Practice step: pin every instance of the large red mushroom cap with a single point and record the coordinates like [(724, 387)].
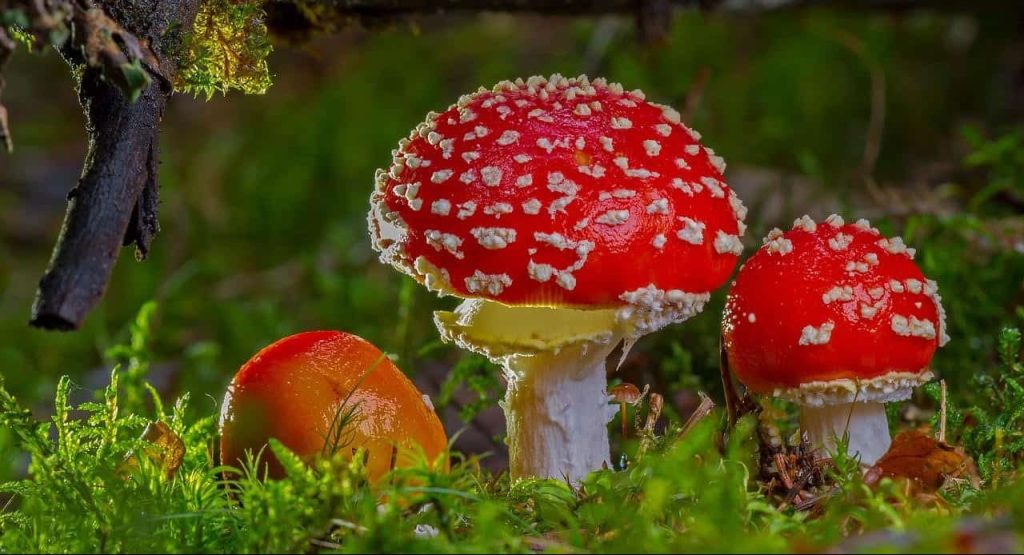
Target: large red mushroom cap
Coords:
[(831, 313), (559, 192)]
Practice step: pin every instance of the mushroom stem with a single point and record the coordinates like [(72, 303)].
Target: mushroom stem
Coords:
[(865, 422), (625, 424), (557, 410), (557, 406)]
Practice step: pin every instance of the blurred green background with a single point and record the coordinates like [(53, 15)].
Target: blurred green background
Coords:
[(909, 119)]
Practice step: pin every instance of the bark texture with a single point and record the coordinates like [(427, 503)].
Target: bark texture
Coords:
[(115, 201)]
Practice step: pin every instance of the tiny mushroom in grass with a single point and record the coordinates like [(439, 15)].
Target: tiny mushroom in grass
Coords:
[(626, 394), (839, 319), (326, 392), (571, 215)]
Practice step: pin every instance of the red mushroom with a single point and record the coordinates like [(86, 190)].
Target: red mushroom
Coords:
[(571, 214), (839, 319)]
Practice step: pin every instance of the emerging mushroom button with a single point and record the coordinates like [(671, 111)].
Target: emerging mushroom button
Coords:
[(570, 214), (838, 319), (326, 392)]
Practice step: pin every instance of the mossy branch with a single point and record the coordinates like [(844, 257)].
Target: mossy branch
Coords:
[(121, 53)]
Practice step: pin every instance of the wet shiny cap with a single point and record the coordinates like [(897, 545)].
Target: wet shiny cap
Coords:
[(832, 312), (563, 192), (324, 392)]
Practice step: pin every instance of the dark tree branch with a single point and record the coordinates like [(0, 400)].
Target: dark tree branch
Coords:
[(654, 20), (143, 225), (296, 20), (598, 7), (122, 137), (115, 201)]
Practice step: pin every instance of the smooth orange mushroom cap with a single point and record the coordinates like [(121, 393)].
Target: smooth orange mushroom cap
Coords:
[(293, 390)]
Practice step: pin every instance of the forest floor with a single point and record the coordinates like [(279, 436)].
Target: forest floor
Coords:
[(264, 235)]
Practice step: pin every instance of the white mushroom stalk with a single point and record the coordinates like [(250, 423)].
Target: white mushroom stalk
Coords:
[(557, 407), (863, 424), (555, 362), (853, 410), (557, 411)]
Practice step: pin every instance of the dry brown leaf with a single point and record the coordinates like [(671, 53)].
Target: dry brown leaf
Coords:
[(165, 449), (924, 461)]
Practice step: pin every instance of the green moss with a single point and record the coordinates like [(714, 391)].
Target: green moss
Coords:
[(226, 50), (95, 486)]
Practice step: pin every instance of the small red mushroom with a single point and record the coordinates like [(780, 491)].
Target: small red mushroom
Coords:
[(571, 214), (324, 391), (838, 319)]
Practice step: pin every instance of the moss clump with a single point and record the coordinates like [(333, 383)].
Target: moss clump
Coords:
[(226, 50)]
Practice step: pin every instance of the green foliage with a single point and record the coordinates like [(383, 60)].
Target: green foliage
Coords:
[(477, 375), (94, 485), (15, 22), (992, 429), (92, 489), (76, 486), (226, 50), (133, 358), (1003, 158)]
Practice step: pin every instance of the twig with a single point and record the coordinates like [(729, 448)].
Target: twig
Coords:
[(795, 489), (144, 225), (118, 166), (701, 412), (811, 503), (6, 50), (323, 541), (735, 405), (783, 468), (115, 201), (696, 93), (942, 412), (876, 119)]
